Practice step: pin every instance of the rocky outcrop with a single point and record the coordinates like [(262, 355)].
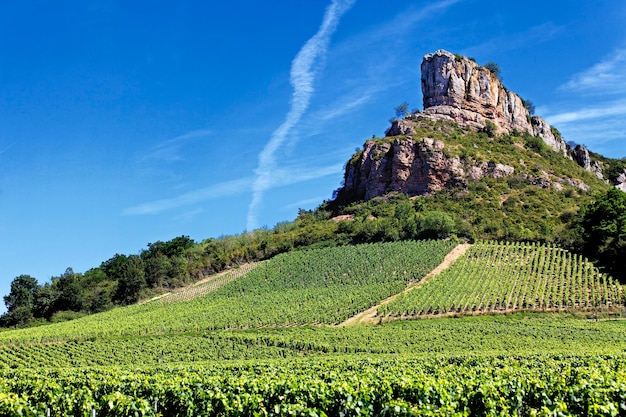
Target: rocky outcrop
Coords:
[(582, 157), (413, 168), (620, 181), (542, 129), (456, 88)]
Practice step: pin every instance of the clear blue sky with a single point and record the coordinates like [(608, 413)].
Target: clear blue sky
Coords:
[(124, 123)]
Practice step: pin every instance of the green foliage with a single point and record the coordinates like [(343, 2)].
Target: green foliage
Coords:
[(498, 277), (20, 301), (530, 106), (546, 385), (326, 285), (490, 128), (130, 281), (604, 230), (494, 68), (536, 144), (22, 293), (436, 225), (402, 110)]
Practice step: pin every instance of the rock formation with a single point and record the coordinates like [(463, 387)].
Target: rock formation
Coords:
[(456, 88), (620, 181), (582, 157), (404, 166)]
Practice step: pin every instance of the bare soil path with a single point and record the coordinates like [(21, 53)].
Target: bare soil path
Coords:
[(369, 316)]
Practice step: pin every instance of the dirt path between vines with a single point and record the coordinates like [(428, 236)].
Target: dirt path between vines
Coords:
[(369, 316)]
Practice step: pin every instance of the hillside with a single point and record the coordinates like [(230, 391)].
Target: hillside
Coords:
[(176, 357), (474, 164), (477, 154)]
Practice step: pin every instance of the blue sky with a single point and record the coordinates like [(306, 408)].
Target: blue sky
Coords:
[(124, 123)]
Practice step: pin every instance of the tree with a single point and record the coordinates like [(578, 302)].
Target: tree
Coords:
[(22, 293), (495, 69), (20, 301), (530, 106), (45, 301), (402, 110), (604, 231), (131, 281), (436, 225)]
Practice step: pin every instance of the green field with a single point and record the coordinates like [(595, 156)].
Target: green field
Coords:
[(263, 340), (497, 277)]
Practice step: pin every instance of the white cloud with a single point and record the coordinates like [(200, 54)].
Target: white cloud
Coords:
[(169, 150), (304, 203), (606, 77), (215, 191), (611, 109), (302, 77), (281, 177)]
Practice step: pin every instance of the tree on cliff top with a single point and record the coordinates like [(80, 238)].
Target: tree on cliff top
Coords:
[(495, 69)]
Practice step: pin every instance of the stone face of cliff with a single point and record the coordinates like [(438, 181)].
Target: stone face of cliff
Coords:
[(413, 167), (404, 166), (456, 88)]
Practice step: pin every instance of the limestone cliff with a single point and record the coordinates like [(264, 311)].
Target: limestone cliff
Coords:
[(455, 89), (413, 167)]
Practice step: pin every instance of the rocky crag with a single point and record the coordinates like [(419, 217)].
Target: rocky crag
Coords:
[(455, 89)]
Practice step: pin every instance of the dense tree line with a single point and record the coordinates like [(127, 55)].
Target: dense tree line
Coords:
[(120, 280)]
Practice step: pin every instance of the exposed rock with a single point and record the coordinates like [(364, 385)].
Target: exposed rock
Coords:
[(413, 168), (456, 88), (542, 129), (582, 157), (342, 218), (575, 182), (620, 181), (400, 127)]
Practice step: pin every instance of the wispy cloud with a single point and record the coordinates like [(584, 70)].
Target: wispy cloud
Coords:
[(283, 176), (302, 76), (606, 77), (604, 110), (304, 203), (6, 148), (220, 190), (169, 150)]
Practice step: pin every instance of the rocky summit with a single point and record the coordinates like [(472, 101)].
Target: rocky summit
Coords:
[(456, 88), (457, 92)]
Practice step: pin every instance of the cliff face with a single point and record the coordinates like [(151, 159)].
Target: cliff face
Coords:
[(404, 166), (456, 88), (412, 167)]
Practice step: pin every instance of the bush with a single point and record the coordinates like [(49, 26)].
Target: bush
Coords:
[(436, 225)]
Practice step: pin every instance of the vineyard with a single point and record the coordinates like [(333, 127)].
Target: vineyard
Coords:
[(501, 277), (262, 340), (209, 285), (542, 385), (297, 288), (489, 335)]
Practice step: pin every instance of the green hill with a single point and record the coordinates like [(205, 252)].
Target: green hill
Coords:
[(496, 277), (181, 354)]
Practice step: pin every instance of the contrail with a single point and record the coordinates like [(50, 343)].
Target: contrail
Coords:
[(301, 77)]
